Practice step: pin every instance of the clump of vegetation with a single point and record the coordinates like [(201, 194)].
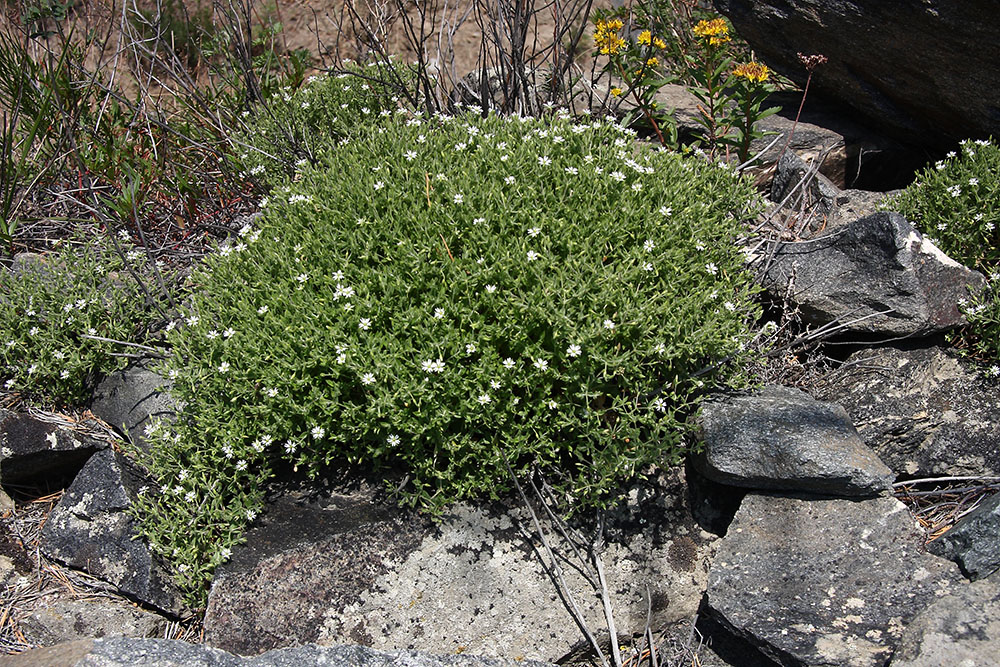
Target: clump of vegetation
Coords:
[(448, 297), (956, 202), (64, 316)]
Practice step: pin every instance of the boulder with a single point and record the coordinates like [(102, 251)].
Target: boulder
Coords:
[(961, 629), (876, 275), (921, 71), (129, 400), (974, 542), (68, 620), (36, 452), (783, 439), (824, 582), (122, 652), (924, 411), (363, 573), (91, 530)]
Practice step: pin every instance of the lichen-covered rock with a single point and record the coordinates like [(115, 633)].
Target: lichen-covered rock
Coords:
[(824, 582), (962, 629), (974, 542), (131, 399), (471, 583), (924, 411), (875, 275), (781, 438), (121, 652), (90, 529), (68, 620), (33, 451)]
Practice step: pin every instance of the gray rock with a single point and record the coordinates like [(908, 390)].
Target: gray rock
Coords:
[(961, 629), (923, 84), (876, 275), (925, 412), (68, 620), (129, 399), (974, 542), (90, 529), (824, 582), (121, 652), (783, 439), (37, 452), (374, 576)]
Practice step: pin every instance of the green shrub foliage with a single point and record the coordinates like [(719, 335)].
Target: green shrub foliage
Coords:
[(956, 202), (60, 317), (446, 296)]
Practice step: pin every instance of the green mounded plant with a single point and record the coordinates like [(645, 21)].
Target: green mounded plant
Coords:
[(445, 297), (956, 202), (63, 319), (295, 126)]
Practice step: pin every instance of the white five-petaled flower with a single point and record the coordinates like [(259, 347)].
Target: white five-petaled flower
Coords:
[(368, 379), (508, 363), (659, 405), (541, 364), (410, 156), (973, 181), (438, 313), (290, 446), (365, 324), (637, 187), (229, 333), (193, 320), (648, 246), (532, 255), (458, 198), (392, 440), (251, 515), (262, 310), (666, 210), (618, 176), (470, 348), (318, 432), (241, 465), (534, 231), (574, 351), (609, 325), (271, 392), (660, 348), (647, 267), (224, 367), (494, 384), (509, 180), (712, 268), (432, 366), (552, 404), (484, 399), (302, 277), (378, 185), (544, 160), (572, 171), (212, 335), (490, 289), (730, 306)]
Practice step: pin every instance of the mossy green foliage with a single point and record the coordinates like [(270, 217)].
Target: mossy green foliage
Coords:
[(61, 315), (444, 297), (956, 202)]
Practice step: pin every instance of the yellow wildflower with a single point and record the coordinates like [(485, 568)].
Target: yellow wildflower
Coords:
[(645, 37), (616, 92), (606, 36), (659, 43), (652, 62), (715, 30), (753, 71)]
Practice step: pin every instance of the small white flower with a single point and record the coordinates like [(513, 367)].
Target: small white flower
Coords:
[(227, 451), (618, 176), (378, 185), (484, 399), (241, 465), (193, 320), (224, 367), (541, 364), (392, 440), (942, 226), (609, 325), (712, 268), (9, 384), (730, 306), (940, 166), (574, 351), (302, 278), (64, 374), (212, 335), (637, 187), (318, 432), (470, 348), (572, 171), (699, 245), (494, 384), (368, 379), (290, 446), (509, 180), (33, 331), (438, 313), (190, 496), (479, 221), (348, 306), (410, 156), (666, 211), (490, 289), (659, 405), (648, 246), (532, 255), (251, 515), (365, 324), (994, 371), (229, 333), (271, 392), (172, 374), (647, 267), (973, 181), (544, 160), (552, 404), (431, 366), (508, 363), (458, 198), (262, 310), (534, 231)]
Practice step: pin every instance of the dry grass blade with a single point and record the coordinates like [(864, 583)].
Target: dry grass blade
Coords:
[(938, 503)]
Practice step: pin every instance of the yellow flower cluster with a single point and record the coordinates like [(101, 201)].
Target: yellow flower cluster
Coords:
[(753, 71), (716, 31), (606, 36), (646, 38)]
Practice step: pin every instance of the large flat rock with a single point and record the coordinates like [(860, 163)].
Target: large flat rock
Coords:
[(824, 582)]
